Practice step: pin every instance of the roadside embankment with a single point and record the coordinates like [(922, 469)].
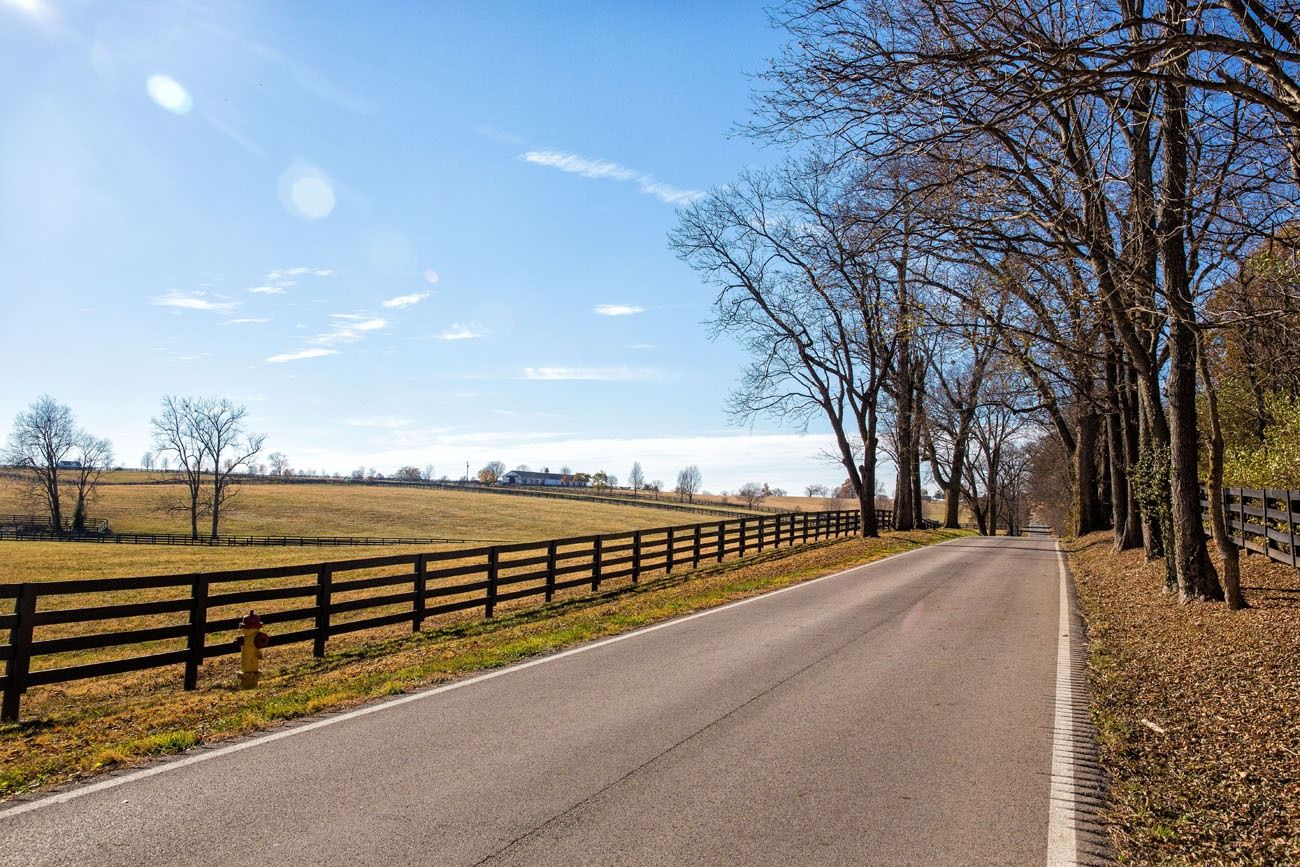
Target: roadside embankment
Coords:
[(1197, 710)]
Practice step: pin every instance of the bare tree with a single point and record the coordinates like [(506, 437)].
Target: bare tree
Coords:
[(147, 460), (279, 463), (689, 480), (636, 478), (176, 434), (408, 474), (222, 430), (93, 456), (427, 473), (752, 493), (43, 437), (815, 490)]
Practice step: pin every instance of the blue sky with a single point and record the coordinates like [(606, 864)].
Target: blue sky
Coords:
[(402, 233)]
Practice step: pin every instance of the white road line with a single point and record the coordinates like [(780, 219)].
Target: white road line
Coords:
[(206, 755), (1062, 842)]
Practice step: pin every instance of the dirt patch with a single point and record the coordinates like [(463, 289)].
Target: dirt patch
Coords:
[(1197, 710)]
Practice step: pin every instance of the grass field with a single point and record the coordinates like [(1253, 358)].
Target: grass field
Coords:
[(337, 510), (78, 728)]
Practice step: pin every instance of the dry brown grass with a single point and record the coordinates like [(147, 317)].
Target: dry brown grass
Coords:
[(80, 728), (363, 510), (1220, 783)]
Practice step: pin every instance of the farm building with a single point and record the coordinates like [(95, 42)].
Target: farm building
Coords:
[(544, 479)]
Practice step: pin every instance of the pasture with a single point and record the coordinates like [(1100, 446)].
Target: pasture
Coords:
[(342, 510)]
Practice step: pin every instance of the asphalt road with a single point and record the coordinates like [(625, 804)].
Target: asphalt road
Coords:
[(898, 713)]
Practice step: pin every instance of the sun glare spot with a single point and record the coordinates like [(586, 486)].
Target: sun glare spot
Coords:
[(307, 193), (169, 93)]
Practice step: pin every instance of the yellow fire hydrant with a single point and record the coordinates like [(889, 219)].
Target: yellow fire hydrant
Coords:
[(251, 640)]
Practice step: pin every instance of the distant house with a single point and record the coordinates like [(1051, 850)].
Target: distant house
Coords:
[(543, 479), (69, 465)]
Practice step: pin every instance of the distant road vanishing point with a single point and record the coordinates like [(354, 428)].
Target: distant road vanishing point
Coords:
[(922, 710)]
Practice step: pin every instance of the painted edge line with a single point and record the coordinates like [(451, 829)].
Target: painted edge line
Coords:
[(217, 752), (1062, 808)]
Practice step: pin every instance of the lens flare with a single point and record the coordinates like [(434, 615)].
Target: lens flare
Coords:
[(169, 94), (307, 193)]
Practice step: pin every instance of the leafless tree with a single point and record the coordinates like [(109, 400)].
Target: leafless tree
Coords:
[(176, 434), (801, 280), (44, 436), (93, 457), (689, 480), (147, 461), (752, 493), (279, 463), (222, 430), (636, 478)]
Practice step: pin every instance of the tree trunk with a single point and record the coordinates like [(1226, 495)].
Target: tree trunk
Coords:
[(1085, 472), (1192, 566), (1214, 491)]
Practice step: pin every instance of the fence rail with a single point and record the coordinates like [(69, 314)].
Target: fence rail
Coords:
[(1262, 520), (50, 620), (20, 534)]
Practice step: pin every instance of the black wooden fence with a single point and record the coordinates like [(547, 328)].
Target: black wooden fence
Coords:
[(20, 534), (322, 602), (1263, 520)]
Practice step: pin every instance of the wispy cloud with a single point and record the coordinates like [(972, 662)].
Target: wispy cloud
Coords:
[(463, 331), (590, 374), (277, 282), (299, 271), (192, 301), (617, 310), (405, 300), (301, 355), (350, 328), (606, 170), (250, 320)]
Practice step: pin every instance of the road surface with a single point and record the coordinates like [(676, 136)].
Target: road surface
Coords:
[(903, 712)]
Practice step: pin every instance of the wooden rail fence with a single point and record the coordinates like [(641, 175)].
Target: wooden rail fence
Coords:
[(48, 641), (1262, 520), (18, 534)]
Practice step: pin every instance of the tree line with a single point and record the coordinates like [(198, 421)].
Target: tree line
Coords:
[(1020, 243), (206, 439)]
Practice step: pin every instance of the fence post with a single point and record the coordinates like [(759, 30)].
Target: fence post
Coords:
[(324, 578), (1241, 519), (762, 532), (636, 556), (722, 539), (493, 559), (20, 651), (804, 515), (550, 570), (417, 618), (596, 547), (198, 631), (695, 553), (1290, 523), (744, 531), (672, 543)]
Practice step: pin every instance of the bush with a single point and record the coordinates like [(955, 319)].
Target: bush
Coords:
[(1276, 463)]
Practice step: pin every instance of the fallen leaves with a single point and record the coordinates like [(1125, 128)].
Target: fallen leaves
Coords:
[(1198, 711)]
